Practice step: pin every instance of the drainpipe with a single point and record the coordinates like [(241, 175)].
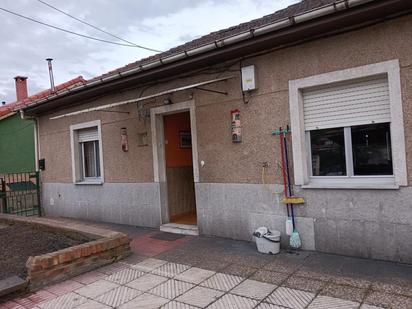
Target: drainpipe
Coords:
[(36, 137)]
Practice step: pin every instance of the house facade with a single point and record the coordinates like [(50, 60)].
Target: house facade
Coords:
[(18, 135), (17, 144), (153, 143)]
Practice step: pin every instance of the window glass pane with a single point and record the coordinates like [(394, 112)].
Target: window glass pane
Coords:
[(371, 147), (90, 159), (96, 143), (328, 152)]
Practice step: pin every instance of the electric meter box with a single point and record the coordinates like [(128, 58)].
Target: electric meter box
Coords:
[(249, 78)]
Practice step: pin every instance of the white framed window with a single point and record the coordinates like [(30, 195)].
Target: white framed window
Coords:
[(86, 148), (347, 128)]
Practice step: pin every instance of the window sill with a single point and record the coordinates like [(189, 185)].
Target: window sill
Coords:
[(88, 182), (352, 186)]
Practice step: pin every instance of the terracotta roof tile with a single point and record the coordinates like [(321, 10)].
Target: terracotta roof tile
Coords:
[(8, 108)]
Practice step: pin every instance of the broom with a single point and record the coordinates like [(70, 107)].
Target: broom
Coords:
[(295, 241)]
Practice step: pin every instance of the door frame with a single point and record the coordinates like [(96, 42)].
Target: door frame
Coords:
[(158, 144)]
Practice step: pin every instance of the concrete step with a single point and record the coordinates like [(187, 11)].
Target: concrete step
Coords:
[(176, 228), (11, 285)]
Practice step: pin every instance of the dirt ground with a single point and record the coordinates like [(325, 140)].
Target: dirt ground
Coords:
[(18, 242)]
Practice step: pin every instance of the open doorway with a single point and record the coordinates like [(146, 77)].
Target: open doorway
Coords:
[(179, 168)]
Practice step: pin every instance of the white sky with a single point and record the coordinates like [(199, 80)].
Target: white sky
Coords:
[(159, 24)]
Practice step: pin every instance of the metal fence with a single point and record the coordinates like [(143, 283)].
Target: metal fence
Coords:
[(20, 193)]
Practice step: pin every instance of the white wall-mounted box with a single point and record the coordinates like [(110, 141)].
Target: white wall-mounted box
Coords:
[(249, 78)]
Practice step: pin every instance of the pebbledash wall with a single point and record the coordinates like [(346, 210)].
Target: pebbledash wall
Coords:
[(231, 196)]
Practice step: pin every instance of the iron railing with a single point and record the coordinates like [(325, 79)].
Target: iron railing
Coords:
[(20, 193)]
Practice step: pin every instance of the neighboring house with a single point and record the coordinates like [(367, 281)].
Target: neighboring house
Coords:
[(151, 142), (17, 135)]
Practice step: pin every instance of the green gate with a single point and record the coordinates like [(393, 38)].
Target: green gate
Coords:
[(20, 193)]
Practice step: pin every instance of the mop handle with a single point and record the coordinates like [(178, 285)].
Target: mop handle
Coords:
[(283, 167), (288, 174)]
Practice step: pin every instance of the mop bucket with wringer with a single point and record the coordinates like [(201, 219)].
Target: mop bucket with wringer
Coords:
[(267, 241)]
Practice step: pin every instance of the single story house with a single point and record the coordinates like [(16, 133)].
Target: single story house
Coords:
[(152, 143)]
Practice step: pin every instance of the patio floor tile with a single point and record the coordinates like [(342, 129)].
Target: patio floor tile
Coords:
[(113, 268), (365, 306), (322, 302), (253, 289), (91, 304), (118, 296), (269, 306), (66, 301), (222, 282), (64, 287), (125, 276), (145, 301), (176, 305), (96, 289), (195, 275), (146, 282), (149, 265), (290, 298), (171, 289), (230, 301), (170, 269), (89, 277), (200, 296), (11, 305)]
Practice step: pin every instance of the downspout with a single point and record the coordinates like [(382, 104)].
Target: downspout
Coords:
[(36, 138)]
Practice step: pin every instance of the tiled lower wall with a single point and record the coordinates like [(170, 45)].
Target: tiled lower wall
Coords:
[(123, 203), (363, 223)]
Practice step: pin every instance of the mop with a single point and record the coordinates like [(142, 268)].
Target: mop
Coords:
[(295, 241), (289, 223)]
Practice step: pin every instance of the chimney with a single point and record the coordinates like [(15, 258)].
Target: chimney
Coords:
[(21, 87)]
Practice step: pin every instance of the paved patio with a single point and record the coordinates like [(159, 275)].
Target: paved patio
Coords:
[(173, 271)]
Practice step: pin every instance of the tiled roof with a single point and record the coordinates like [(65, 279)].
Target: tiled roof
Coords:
[(293, 10), (8, 108)]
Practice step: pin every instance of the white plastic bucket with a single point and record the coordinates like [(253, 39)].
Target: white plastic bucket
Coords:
[(269, 244)]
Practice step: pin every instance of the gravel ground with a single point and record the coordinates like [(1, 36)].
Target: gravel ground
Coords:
[(18, 242)]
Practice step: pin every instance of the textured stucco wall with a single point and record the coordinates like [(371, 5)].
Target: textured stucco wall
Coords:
[(231, 199), (268, 108)]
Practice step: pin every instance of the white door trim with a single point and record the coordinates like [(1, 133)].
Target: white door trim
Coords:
[(158, 142)]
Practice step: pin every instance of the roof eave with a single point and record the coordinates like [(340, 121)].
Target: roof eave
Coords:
[(309, 24)]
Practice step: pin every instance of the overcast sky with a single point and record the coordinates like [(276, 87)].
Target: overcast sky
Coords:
[(159, 24)]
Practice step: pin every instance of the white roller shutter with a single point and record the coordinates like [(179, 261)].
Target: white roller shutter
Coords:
[(89, 134), (348, 104)]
